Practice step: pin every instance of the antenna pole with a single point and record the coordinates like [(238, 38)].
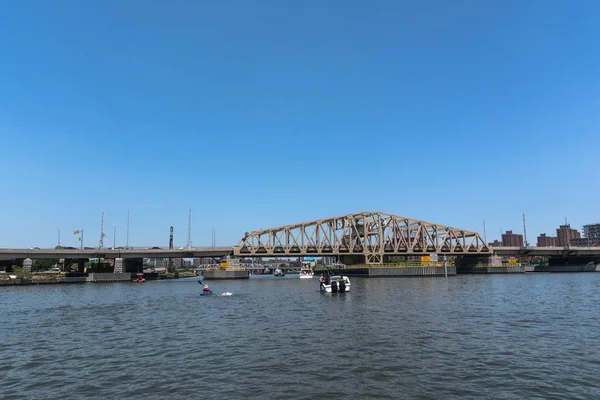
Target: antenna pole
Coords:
[(484, 234)]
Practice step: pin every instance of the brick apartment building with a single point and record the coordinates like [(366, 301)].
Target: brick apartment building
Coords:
[(510, 239)]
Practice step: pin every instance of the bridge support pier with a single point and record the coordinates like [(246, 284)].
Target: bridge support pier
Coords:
[(27, 263), (133, 265), (118, 264), (81, 266)]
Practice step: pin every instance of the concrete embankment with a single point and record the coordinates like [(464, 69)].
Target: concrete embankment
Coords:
[(109, 277), (399, 271), (393, 270), (565, 268), (44, 281)]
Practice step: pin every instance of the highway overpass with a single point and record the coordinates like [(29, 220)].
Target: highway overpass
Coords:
[(567, 251), (194, 252)]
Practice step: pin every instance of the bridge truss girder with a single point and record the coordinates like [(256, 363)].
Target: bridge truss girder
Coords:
[(370, 234)]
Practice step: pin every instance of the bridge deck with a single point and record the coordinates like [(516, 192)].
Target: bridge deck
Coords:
[(196, 252)]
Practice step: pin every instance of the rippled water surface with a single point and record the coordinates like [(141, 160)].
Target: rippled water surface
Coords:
[(466, 337)]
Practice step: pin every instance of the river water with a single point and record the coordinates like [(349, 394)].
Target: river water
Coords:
[(465, 337)]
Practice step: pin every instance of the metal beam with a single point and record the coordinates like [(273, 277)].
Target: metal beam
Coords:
[(373, 235)]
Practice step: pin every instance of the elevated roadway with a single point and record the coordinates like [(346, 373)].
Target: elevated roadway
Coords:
[(568, 251), (200, 252), (194, 252)]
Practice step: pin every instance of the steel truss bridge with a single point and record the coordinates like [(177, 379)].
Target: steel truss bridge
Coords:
[(372, 235)]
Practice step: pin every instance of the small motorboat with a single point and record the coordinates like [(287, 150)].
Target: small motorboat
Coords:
[(335, 284), (140, 278), (306, 270), (278, 272)]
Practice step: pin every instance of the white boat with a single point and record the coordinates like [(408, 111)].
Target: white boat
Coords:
[(335, 284), (306, 270), (278, 272)]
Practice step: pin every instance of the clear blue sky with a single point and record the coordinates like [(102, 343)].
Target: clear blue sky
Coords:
[(263, 113)]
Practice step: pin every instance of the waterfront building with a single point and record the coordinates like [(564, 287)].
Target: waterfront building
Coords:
[(546, 241), (581, 242), (564, 233), (510, 239), (591, 236), (495, 243)]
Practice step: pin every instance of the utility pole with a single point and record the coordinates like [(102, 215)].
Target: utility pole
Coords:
[(80, 238), (58, 244)]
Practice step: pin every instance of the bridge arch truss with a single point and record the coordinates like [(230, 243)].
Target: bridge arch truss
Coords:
[(373, 235)]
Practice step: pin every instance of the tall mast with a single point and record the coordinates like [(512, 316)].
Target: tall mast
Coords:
[(484, 235), (102, 231)]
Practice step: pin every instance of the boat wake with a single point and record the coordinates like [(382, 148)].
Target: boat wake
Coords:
[(215, 294)]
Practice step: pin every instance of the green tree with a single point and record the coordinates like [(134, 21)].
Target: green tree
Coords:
[(43, 264), (22, 273)]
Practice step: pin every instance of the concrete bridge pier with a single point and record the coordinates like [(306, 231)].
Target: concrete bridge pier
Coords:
[(132, 265), (118, 266), (27, 263), (80, 266)]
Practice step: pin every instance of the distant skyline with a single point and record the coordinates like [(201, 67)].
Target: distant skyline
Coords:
[(261, 114)]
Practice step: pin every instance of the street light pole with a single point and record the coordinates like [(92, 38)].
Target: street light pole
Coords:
[(114, 236), (75, 232), (58, 244)]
